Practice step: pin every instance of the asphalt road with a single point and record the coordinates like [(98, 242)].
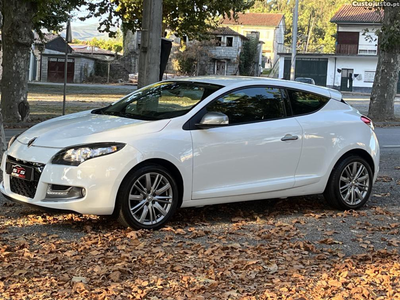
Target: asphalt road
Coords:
[(361, 102)]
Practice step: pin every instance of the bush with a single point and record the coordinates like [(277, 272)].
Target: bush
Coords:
[(248, 57)]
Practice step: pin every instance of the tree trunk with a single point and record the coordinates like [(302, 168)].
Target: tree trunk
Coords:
[(381, 106), (17, 39), (3, 142), (310, 30), (2, 134), (150, 48)]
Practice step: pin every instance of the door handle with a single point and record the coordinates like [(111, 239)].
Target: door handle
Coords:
[(289, 137)]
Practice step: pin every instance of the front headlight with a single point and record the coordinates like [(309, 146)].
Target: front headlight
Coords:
[(75, 155)]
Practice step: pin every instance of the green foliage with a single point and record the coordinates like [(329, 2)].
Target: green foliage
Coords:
[(185, 17), (108, 44), (52, 14), (248, 57), (389, 35), (315, 31), (187, 62), (193, 57), (100, 68)]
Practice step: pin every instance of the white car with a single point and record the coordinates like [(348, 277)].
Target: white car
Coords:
[(195, 142)]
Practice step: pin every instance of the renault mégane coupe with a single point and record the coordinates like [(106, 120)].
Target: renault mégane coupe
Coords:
[(194, 142)]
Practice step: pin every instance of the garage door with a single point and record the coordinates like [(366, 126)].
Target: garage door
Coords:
[(55, 71), (315, 68)]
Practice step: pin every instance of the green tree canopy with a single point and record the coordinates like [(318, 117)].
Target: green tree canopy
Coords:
[(315, 31), (20, 19), (186, 17)]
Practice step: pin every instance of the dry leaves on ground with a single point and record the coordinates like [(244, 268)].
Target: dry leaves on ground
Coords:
[(193, 262)]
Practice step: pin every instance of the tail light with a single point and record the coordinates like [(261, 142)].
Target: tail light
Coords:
[(368, 121)]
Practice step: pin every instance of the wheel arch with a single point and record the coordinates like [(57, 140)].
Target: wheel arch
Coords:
[(358, 152), (166, 164), (331, 193), (354, 152)]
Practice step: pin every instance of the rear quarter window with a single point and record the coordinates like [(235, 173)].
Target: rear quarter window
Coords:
[(306, 102)]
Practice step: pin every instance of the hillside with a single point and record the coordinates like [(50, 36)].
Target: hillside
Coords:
[(86, 32)]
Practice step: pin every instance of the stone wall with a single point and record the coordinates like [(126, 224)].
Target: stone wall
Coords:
[(84, 68)]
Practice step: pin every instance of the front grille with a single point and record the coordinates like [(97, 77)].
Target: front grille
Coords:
[(23, 187)]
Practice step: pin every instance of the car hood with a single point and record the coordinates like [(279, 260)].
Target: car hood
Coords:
[(85, 127)]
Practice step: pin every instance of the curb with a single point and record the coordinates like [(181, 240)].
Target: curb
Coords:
[(387, 124), (19, 125)]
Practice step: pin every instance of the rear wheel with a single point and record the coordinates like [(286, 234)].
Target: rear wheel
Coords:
[(148, 198), (350, 183)]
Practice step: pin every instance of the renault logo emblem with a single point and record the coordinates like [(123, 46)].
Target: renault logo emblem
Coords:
[(31, 141)]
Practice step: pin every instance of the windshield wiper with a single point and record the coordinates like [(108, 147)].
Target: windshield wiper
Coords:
[(101, 110), (138, 117)]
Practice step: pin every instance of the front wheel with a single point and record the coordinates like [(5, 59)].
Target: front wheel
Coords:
[(147, 198), (350, 183)]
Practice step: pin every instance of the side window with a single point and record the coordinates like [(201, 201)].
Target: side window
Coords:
[(305, 102), (250, 105)]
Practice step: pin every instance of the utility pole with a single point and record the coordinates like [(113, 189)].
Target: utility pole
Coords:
[(294, 41), (150, 47), (68, 39)]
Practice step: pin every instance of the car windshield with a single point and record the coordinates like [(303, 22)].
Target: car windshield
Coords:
[(163, 100)]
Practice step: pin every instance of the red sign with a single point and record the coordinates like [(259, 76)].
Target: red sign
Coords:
[(18, 171)]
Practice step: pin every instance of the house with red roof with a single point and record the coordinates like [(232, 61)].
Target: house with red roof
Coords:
[(271, 29), (356, 47)]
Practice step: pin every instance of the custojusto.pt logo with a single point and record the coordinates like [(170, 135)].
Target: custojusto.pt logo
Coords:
[(375, 3)]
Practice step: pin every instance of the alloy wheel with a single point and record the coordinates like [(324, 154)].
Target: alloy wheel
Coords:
[(354, 183), (150, 198)]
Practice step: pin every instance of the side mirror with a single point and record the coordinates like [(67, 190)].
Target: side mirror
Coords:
[(213, 119)]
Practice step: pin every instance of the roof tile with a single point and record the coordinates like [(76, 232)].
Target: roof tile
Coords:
[(227, 31), (255, 19), (357, 14)]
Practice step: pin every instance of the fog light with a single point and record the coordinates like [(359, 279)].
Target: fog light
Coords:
[(64, 192)]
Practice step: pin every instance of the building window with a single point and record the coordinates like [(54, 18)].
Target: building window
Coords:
[(229, 41), (369, 76), (184, 40), (367, 51), (218, 41)]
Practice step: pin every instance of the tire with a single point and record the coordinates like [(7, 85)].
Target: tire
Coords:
[(147, 198), (350, 183)]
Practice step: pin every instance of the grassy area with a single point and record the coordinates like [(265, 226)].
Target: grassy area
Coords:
[(107, 93), (46, 100)]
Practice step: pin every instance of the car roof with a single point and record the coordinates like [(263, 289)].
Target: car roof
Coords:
[(227, 81)]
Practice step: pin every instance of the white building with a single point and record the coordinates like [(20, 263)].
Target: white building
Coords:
[(353, 66)]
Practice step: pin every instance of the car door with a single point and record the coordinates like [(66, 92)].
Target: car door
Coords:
[(257, 152)]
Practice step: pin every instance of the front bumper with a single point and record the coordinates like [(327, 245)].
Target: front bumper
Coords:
[(100, 178)]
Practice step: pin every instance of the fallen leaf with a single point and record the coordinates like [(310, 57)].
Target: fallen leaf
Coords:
[(79, 279), (382, 195), (329, 241), (271, 268), (115, 276), (384, 178)]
